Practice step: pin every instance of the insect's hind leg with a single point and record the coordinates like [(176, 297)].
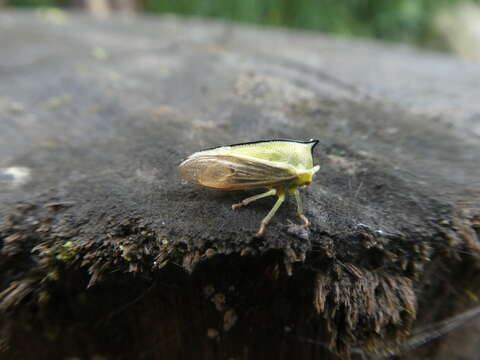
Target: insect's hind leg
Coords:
[(266, 219), (250, 199), (298, 200)]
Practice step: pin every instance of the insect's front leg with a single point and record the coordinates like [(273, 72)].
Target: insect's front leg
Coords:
[(298, 200), (250, 199), (266, 219)]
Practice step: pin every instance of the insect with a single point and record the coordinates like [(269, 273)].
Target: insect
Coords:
[(280, 166)]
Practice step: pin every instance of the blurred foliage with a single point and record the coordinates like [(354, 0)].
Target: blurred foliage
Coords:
[(398, 20), (33, 2)]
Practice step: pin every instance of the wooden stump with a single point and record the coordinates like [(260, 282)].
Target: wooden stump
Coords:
[(106, 254)]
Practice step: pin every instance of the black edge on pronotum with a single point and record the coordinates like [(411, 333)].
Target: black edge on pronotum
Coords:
[(265, 141)]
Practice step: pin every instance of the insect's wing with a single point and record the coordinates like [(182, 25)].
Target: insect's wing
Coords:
[(228, 172)]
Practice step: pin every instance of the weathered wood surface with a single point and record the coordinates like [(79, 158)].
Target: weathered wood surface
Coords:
[(104, 252)]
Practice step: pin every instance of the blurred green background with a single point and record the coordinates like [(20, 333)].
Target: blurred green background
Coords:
[(396, 20)]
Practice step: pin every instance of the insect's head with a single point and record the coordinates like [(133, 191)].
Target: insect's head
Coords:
[(306, 177)]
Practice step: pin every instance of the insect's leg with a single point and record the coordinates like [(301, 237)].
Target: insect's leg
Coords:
[(253, 198), (266, 219), (299, 202)]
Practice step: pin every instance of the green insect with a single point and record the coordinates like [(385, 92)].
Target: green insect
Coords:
[(280, 166)]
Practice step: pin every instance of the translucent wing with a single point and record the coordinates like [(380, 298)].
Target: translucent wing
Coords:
[(227, 172)]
